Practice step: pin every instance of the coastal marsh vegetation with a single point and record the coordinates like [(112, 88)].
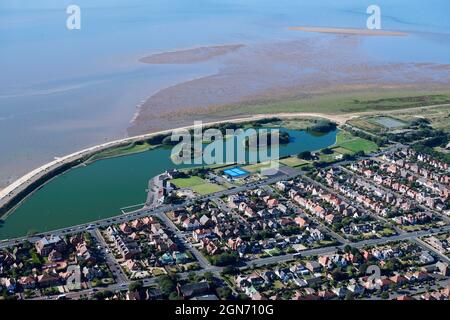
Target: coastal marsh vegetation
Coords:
[(340, 103)]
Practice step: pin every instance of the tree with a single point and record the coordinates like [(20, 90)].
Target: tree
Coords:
[(224, 293), (229, 270), (305, 155), (174, 296), (208, 276), (225, 259), (166, 284), (384, 295), (323, 126), (327, 151), (192, 277), (135, 286)]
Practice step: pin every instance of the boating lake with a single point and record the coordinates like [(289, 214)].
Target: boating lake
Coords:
[(100, 189)]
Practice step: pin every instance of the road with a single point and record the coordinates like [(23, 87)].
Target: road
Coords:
[(115, 268)]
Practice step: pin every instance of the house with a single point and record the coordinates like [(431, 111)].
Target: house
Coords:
[(356, 288), (340, 292), (8, 283), (426, 257), (206, 221), (27, 282), (154, 294), (48, 280), (443, 268), (301, 222), (191, 224), (313, 266), (190, 290), (46, 244), (54, 256), (398, 280)]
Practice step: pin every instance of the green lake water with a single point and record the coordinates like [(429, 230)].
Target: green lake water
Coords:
[(99, 190)]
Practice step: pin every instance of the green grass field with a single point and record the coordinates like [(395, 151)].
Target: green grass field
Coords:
[(345, 140), (359, 144), (187, 182), (207, 188), (197, 184), (293, 162)]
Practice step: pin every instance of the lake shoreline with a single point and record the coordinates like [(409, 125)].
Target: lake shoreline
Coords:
[(22, 188), (15, 193)]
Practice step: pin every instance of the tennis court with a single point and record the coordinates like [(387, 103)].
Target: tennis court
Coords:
[(235, 172)]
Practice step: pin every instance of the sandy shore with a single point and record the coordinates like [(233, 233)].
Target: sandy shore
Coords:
[(362, 32), (192, 55)]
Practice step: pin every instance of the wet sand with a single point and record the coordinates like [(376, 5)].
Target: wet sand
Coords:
[(298, 70), (193, 55), (362, 32)]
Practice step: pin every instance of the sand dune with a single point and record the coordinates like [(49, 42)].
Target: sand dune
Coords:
[(363, 32)]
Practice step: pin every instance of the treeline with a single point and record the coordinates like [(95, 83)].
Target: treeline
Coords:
[(323, 126), (426, 147), (165, 139), (418, 133), (284, 138)]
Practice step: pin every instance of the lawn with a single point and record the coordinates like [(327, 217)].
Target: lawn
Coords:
[(293, 161), (197, 184), (345, 140), (359, 144), (187, 182), (207, 188)]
